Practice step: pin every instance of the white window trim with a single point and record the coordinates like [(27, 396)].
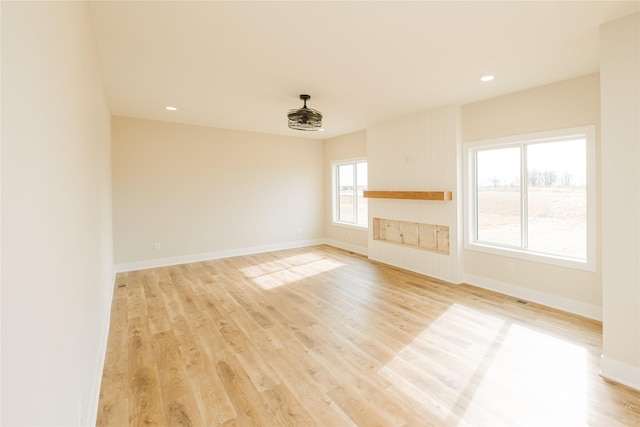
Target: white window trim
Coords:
[(334, 184), (469, 150)]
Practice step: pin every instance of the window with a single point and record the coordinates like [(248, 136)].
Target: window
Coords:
[(349, 183), (533, 197)]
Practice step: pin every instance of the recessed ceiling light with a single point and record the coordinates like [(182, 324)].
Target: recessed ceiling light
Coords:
[(486, 78), (171, 108)]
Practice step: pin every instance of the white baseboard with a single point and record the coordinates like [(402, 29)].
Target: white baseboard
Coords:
[(620, 372), (94, 401), (346, 246), (565, 304), (206, 256)]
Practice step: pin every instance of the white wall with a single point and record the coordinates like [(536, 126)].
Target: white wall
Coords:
[(419, 152), (620, 92), (57, 265), (565, 104), (351, 146), (204, 193)]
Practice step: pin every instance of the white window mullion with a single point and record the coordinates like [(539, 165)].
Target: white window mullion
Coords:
[(524, 189), (474, 179), (336, 197), (355, 193)]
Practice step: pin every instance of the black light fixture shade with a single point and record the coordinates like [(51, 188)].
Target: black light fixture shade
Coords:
[(305, 118)]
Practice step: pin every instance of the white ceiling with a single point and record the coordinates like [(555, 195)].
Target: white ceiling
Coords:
[(242, 65)]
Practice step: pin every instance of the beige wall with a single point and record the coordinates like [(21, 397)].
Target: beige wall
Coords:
[(57, 265), (203, 192), (418, 152), (569, 103), (565, 104), (620, 89), (351, 146)]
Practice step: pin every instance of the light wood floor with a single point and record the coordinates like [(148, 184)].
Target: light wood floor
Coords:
[(318, 336)]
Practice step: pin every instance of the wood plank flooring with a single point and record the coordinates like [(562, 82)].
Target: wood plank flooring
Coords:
[(320, 337)]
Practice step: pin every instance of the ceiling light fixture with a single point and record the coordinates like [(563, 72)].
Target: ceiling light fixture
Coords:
[(486, 78), (170, 108), (305, 118)]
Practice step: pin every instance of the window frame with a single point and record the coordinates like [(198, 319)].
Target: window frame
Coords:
[(335, 192), (470, 149)]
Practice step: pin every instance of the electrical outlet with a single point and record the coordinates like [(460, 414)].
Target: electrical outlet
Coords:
[(511, 266), (156, 246)]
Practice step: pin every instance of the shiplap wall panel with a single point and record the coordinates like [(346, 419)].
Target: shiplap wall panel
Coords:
[(418, 152)]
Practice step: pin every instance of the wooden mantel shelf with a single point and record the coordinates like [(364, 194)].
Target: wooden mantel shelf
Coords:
[(411, 195)]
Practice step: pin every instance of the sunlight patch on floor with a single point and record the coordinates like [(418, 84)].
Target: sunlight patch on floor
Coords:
[(283, 271), (543, 380), (495, 372)]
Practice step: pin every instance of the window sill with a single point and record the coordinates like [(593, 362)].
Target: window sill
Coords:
[(556, 260)]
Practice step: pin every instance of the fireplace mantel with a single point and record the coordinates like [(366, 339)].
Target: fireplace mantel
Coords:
[(410, 195)]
